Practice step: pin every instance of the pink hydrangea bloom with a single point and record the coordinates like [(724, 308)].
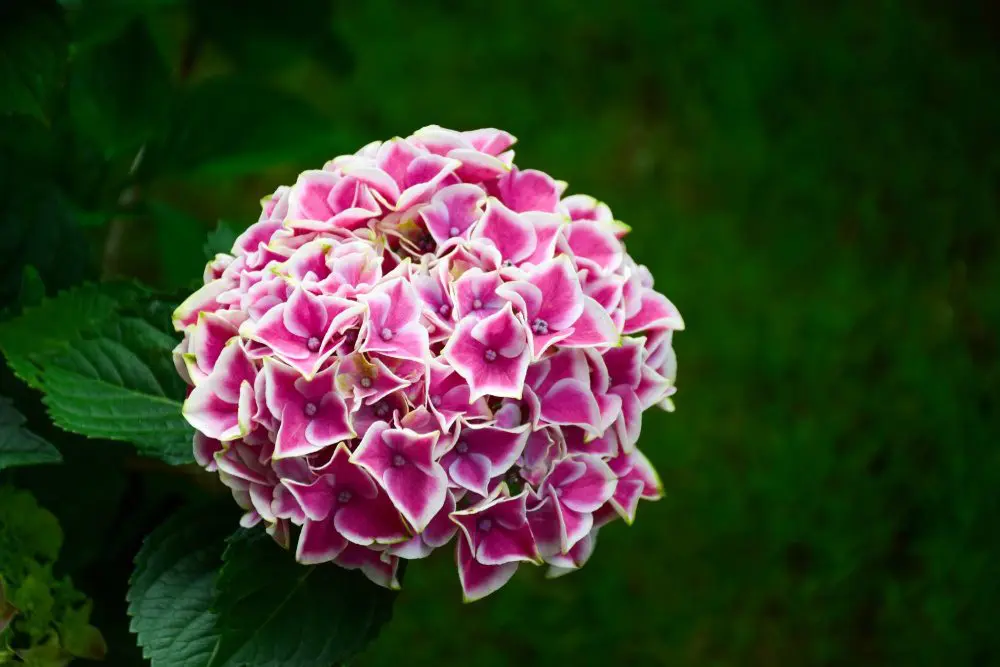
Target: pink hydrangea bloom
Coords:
[(421, 344)]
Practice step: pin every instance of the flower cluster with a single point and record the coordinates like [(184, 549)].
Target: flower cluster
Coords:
[(421, 342)]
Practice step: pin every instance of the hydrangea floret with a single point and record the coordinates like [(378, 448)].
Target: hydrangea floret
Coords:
[(421, 344)]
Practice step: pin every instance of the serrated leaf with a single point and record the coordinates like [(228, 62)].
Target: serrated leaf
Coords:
[(18, 445), (101, 388), (105, 373), (52, 326), (173, 585), (32, 55), (273, 611)]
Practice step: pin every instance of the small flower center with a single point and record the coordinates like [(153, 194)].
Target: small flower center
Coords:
[(453, 231), (444, 309), (366, 382), (310, 409), (344, 497), (382, 410), (508, 263), (436, 401), (386, 333), (398, 460), (540, 326), (485, 525), (490, 355), (462, 447), (312, 344), (477, 304)]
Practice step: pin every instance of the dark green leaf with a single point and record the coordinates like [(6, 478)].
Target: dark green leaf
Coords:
[(119, 91), (32, 55), (32, 288), (220, 240), (39, 229), (273, 611), (173, 585), (105, 373), (18, 445), (50, 328), (228, 126)]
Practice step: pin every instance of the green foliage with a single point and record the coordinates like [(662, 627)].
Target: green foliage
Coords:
[(263, 608), (104, 371), (173, 586), (18, 445), (309, 616), (49, 618)]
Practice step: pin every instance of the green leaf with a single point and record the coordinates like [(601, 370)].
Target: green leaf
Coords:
[(217, 130), (220, 240), (18, 445), (32, 56), (273, 611), (51, 327), (32, 289), (102, 388), (173, 585), (119, 90), (105, 369)]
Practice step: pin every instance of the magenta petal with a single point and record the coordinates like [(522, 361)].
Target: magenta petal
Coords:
[(595, 246), (594, 328), (592, 489), (626, 498), (316, 499), (656, 312), (570, 402), (471, 472), (417, 495), (366, 522), (561, 294), (453, 210), (402, 462), (529, 190), (514, 238), (624, 363), (480, 580), (491, 355), (574, 526), (319, 542), (379, 570)]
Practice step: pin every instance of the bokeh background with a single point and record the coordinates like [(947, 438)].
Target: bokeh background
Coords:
[(815, 185)]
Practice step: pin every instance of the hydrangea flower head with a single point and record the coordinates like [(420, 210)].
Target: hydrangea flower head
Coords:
[(422, 344)]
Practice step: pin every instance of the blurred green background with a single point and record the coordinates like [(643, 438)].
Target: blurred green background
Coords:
[(815, 185)]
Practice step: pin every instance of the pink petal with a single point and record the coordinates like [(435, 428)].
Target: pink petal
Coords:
[(319, 542), (491, 355), (656, 312), (570, 402), (514, 238), (592, 245), (562, 296), (480, 580), (529, 190)]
